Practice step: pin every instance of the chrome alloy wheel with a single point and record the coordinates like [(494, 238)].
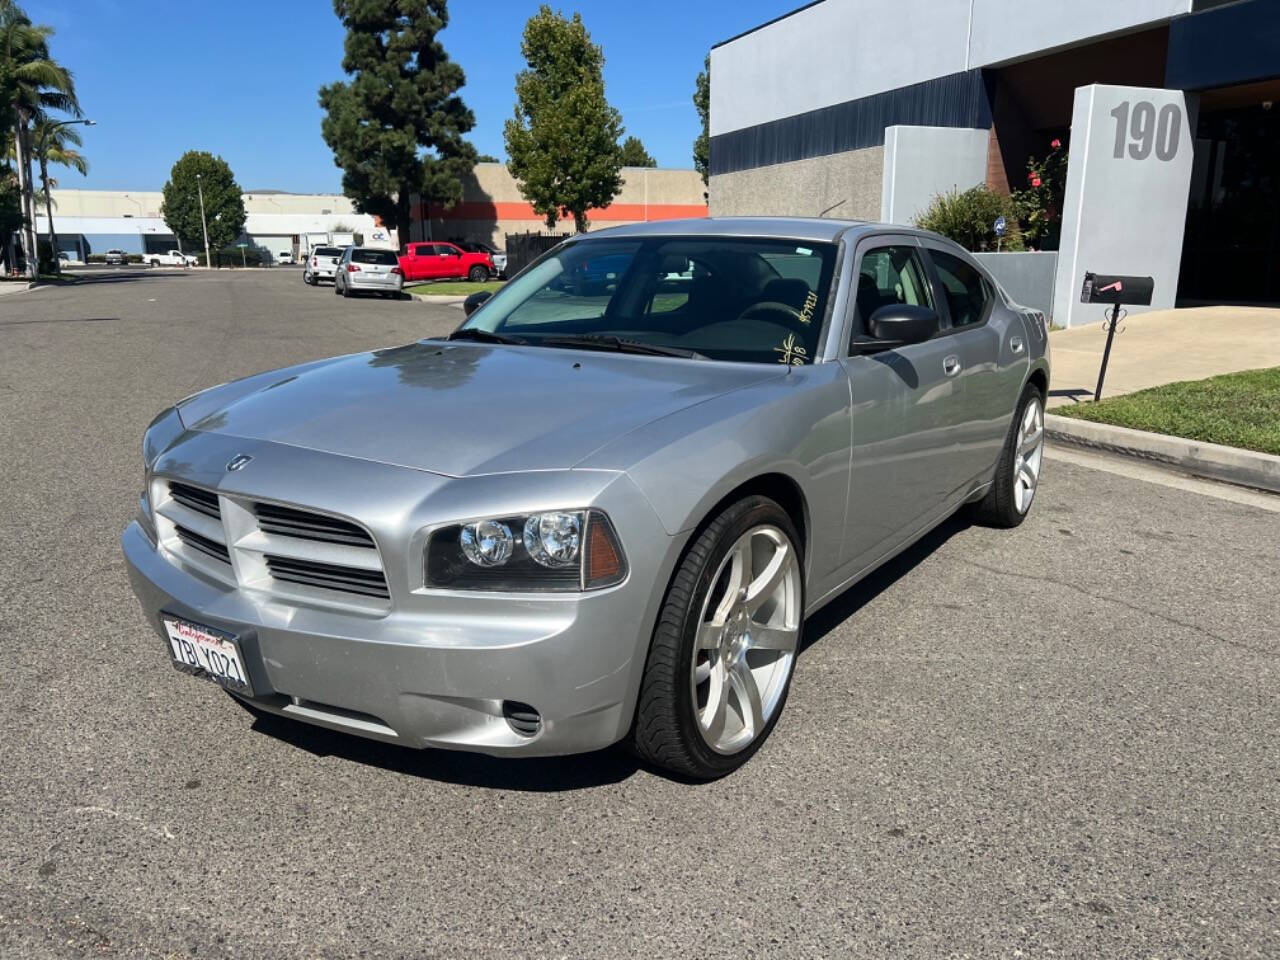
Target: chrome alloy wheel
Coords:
[(1028, 454), (746, 643)]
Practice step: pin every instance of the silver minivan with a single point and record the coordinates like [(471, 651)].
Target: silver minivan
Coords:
[(368, 270)]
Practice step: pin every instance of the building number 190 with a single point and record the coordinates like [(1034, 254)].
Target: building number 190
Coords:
[(1144, 130)]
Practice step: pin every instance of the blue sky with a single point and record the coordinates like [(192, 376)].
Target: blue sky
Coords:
[(239, 78)]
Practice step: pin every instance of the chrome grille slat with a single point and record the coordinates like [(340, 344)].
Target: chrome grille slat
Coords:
[(210, 548), (289, 522), (327, 576), (193, 498)]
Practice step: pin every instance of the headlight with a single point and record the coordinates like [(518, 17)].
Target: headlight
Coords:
[(488, 543), (561, 550)]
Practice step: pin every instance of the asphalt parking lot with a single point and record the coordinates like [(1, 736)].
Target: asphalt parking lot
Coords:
[(1057, 741)]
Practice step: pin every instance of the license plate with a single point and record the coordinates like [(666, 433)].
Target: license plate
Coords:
[(207, 653)]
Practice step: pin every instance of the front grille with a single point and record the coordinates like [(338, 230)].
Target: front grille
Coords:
[(193, 498), (210, 548), (287, 522), (328, 576)]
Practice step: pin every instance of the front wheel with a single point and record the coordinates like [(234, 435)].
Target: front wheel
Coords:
[(1008, 501), (724, 647), (478, 274)]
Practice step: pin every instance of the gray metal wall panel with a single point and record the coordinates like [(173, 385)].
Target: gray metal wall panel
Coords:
[(956, 100)]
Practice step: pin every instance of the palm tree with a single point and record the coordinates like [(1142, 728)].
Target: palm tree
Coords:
[(31, 83), (56, 143)]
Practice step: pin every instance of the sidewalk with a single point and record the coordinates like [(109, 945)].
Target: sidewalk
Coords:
[(1163, 346)]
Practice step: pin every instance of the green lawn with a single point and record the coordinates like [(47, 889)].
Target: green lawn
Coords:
[(454, 288), (1236, 409)]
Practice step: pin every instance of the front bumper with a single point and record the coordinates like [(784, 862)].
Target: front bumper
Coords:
[(436, 669)]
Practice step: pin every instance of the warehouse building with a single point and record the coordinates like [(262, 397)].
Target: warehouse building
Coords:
[(492, 206), (94, 221), (1167, 108)]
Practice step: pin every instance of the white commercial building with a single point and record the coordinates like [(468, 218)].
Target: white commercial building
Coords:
[(855, 109), (93, 221)]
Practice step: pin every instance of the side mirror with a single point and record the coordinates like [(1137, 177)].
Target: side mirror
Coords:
[(473, 302), (900, 324)]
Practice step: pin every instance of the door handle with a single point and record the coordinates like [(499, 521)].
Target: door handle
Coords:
[(951, 365), (1015, 344)]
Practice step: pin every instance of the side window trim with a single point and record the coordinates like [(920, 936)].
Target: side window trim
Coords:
[(853, 325), (940, 291)]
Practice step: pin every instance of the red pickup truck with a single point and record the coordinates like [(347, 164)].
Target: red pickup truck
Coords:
[(441, 261)]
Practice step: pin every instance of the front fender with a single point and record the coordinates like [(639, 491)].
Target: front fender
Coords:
[(797, 426)]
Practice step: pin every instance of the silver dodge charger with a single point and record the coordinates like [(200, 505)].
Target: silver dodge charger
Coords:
[(602, 508)]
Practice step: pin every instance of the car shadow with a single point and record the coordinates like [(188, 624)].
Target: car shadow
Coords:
[(522, 774), (878, 581), (582, 771)]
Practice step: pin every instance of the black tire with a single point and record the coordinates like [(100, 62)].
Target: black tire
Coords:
[(478, 274), (337, 290), (665, 729), (999, 507)]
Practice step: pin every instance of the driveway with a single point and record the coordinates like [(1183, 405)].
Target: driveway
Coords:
[(1056, 741), (1163, 346)]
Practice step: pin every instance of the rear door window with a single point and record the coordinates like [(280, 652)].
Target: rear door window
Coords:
[(967, 295)]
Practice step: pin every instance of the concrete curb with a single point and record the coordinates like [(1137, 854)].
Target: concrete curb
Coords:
[(1245, 468), (442, 300)]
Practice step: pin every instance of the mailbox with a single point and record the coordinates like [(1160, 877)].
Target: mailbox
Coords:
[(1104, 288)]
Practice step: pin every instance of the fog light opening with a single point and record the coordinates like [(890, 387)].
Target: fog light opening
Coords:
[(522, 718)]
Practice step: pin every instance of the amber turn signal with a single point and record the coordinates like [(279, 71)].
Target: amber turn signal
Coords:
[(604, 563)]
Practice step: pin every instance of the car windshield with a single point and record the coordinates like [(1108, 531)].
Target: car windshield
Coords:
[(385, 257), (727, 298), (327, 252)]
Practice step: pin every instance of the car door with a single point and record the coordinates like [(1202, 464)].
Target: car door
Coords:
[(992, 357), (906, 403), (450, 260)]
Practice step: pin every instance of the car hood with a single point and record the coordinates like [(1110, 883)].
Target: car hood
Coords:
[(462, 409)]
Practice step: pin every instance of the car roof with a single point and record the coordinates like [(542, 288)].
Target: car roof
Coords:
[(817, 229), (814, 229)]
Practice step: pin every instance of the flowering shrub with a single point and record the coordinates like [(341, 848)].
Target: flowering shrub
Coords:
[(1039, 204), (969, 218)]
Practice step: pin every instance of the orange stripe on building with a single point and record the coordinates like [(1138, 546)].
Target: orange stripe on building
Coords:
[(502, 210)]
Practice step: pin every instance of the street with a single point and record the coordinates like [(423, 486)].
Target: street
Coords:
[(1054, 741)]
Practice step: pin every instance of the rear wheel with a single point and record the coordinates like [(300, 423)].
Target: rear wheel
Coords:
[(1008, 501), (478, 274), (724, 647)]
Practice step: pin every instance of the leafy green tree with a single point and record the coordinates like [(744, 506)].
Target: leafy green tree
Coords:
[(31, 84), (223, 203), (397, 127), (635, 155), (702, 103), (487, 158), (563, 140), (56, 144)]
